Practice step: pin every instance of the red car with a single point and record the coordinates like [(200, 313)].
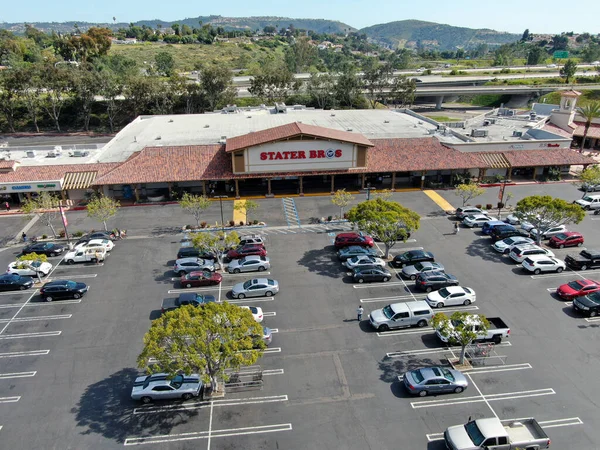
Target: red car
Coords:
[(577, 288), (566, 239), (202, 278), (245, 250), (347, 239)]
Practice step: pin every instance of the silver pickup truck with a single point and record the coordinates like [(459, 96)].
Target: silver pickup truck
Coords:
[(493, 433), (496, 331)]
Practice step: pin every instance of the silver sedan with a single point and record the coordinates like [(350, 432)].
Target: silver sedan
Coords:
[(422, 267), (257, 287), (364, 261), (435, 380), (187, 265), (250, 263)]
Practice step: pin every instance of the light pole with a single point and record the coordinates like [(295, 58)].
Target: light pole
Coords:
[(369, 189), (501, 197), (221, 197)]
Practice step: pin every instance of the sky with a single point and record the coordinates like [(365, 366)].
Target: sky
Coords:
[(539, 16)]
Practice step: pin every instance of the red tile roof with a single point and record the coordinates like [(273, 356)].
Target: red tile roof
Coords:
[(52, 172), (557, 130), (538, 158), (291, 130), (170, 164), (8, 164), (593, 132)]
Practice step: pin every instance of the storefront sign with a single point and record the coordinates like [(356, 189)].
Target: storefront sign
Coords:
[(21, 188), (549, 145), (302, 154), (35, 186), (46, 186)]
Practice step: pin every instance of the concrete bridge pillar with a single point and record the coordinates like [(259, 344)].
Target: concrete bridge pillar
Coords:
[(438, 102), (518, 100)]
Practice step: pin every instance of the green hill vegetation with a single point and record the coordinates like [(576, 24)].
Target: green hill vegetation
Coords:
[(429, 35)]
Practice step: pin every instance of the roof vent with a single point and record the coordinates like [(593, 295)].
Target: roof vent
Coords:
[(517, 133), (386, 121), (158, 138), (332, 114), (420, 123), (170, 120), (207, 126), (348, 129), (249, 117)]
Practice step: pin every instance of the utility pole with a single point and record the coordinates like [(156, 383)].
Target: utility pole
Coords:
[(221, 197)]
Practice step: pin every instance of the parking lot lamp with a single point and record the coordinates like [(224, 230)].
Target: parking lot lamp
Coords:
[(221, 197)]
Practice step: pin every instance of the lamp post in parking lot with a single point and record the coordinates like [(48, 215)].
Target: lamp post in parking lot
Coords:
[(369, 189), (221, 197)]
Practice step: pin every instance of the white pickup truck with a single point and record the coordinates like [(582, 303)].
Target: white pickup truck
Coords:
[(94, 254), (497, 330), (493, 433)]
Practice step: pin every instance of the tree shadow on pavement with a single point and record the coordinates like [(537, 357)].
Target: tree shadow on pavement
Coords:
[(323, 262), (482, 248), (164, 230), (392, 368), (105, 408)]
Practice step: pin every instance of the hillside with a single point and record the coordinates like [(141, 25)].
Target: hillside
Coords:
[(229, 23), (429, 35)]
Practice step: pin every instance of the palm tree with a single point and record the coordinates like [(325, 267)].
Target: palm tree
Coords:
[(589, 112)]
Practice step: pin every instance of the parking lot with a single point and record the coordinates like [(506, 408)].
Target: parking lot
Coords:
[(329, 381)]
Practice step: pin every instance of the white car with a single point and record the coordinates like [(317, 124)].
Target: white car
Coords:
[(475, 220), (595, 63), (29, 268), (256, 311), (465, 211), (451, 296), (541, 263), (512, 219), (106, 243), (519, 252), (506, 245), (364, 261), (552, 231), (551, 66)]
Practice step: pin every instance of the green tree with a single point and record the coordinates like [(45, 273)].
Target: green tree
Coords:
[(216, 85), (320, 87), (348, 87), (247, 207), (273, 82), (458, 329), (46, 206), (384, 194), (389, 222), (9, 97), (216, 243), (589, 112), (58, 84), (194, 205), (467, 192), (207, 340), (111, 88), (341, 199), (165, 63), (588, 178), (544, 212), (26, 262), (86, 85), (102, 209), (535, 55), (300, 55), (568, 70), (525, 36), (402, 90)]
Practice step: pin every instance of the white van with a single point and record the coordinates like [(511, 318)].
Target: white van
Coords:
[(86, 254), (589, 202)]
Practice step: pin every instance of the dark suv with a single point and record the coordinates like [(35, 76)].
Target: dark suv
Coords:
[(505, 231), (432, 281), (412, 257), (44, 248), (193, 252), (348, 239), (61, 289), (588, 305)]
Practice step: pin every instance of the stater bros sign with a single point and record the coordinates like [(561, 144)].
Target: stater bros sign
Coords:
[(309, 155)]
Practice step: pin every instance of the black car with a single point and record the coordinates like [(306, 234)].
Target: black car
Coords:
[(192, 252), (96, 235), (588, 304), (412, 257), (188, 298), (14, 282), (61, 289), (432, 281), (505, 231), (44, 248), (375, 273)]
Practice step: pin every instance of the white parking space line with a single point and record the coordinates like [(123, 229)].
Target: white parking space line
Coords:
[(8, 376), (377, 285), (19, 292), (592, 319), (552, 290), (21, 354), (253, 300), (20, 309), (10, 399), (500, 368), (33, 319), (402, 332), (393, 299), (207, 403), (59, 302), (205, 434), (30, 335), (434, 350), (12, 305), (79, 277), (205, 289), (81, 266), (274, 330), (481, 398), (272, 372), (269, 314), (243, 274), (271, 350), (568, 273)]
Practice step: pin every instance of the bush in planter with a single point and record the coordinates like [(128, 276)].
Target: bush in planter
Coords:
[(329, 218), (489, 206), (62, 233), (78, 233), (231, 223), (241, 223), (255, 222), (44, 236), (203, 224), (478, 206), (500, 205)]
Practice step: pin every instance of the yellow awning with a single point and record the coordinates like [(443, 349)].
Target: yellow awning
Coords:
[(79, 180), (495, 160)]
